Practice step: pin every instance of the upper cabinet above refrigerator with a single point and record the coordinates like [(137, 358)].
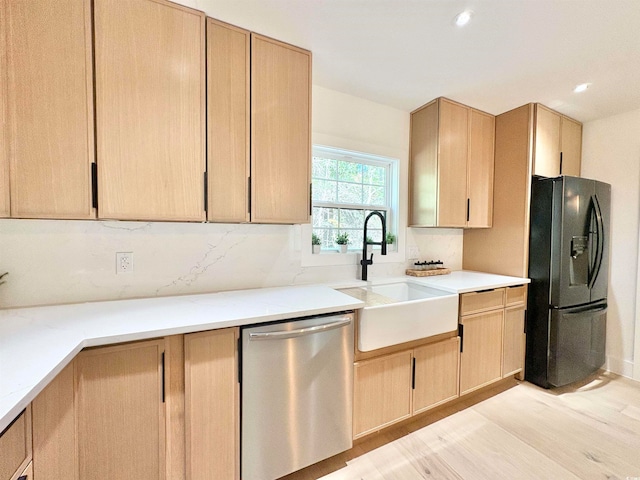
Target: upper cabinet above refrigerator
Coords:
[(558, 144)]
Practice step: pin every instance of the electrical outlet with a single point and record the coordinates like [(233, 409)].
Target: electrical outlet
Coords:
[(124, 262), (414, 251)]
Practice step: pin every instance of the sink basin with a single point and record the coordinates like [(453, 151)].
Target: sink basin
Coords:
[(402, 311)]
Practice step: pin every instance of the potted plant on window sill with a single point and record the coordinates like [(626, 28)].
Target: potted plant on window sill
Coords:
[(316, 243), (391, 240), (342, 240)]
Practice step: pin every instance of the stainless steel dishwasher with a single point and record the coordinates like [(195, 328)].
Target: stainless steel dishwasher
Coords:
[(297, 394)]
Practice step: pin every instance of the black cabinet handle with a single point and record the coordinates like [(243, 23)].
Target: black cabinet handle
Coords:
[(461, 335), (413, 374)]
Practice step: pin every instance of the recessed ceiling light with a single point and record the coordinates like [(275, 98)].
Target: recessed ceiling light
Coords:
[(581, 88), (463, 18)]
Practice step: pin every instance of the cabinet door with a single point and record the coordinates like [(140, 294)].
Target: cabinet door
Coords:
[(423, 166), (27, 474), (5, 210), (571, 147), (54, 429), (547, 143), (150, 110), (382, 392), (452, 164), (435, 374), (481, 357), (480, 171), (514, 341), (50, 108), (280, 132), (211, 405), (15, 446), (120, 412), (228, 150)]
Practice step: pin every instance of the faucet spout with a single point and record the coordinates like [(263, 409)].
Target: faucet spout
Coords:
[(365, 262)]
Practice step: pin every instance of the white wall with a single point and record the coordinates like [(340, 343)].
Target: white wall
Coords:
[(58, 261), (611, 153)]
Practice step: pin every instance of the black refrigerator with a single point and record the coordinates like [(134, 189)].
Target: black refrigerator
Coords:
[(568, 267)]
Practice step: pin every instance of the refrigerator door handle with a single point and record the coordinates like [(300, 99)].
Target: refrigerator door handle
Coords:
[(580, 312), (597, 264)]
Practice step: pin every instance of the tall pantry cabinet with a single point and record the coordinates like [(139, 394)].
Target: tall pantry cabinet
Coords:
[(529, 141), (47, 105)]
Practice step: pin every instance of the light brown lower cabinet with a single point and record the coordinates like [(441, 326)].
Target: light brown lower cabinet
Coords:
[(394, 387), (514, 341), (492, 336), (436, 374), (481, 356), (27, 474), (54, 428), (212, 401), (382, 392), (156, 409), (121, 412), (15, 446)]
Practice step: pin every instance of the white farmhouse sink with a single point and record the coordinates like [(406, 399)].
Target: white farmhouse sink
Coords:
[(401, 312)]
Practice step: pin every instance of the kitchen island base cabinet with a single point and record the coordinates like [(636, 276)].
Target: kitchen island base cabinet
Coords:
[(212, 402), (121, 412)]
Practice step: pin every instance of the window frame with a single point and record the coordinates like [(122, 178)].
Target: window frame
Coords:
[(390, 165)]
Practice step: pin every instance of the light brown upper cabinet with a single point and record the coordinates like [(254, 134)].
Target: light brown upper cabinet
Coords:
[(5, 209), (49, 109), (558, 144), (526, 138), (150, 110), (228, 122), (280, 132), (451, 166)]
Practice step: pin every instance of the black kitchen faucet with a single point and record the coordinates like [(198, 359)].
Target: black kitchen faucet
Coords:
[(365, 262)]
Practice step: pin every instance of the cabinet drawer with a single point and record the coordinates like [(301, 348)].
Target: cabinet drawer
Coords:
[(516, 295), (15, 446), (476, 302)]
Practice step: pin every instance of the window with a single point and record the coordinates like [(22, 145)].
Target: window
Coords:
[(347, 186)]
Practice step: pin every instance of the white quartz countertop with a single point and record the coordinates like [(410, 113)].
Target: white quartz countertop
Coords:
[(37, 343), (459, 281), (464, 281)]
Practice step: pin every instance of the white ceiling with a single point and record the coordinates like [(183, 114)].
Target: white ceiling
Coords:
[(404, 53)]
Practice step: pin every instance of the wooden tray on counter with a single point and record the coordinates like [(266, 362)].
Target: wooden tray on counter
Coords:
[(427, 273)]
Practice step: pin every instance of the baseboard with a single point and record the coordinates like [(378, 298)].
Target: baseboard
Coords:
[(620, 366)]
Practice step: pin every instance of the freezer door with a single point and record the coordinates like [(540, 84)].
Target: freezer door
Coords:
[(576, 343), (571, 255), (599, 241)]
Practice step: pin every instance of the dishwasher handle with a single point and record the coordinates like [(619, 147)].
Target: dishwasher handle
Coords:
[(283, 334)]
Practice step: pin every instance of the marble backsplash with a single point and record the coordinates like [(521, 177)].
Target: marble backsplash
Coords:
[(54, 262)]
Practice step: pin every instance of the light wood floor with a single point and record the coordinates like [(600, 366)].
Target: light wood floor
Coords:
[(587, 431)]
